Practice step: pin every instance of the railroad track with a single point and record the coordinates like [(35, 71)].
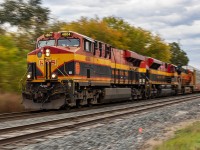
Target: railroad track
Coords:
[(33, 114), (32, 132), (23, 115)]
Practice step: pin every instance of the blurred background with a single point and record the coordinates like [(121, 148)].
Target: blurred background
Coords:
[(22, 21)]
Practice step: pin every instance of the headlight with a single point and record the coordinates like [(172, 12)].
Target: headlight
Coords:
[(47, 52), (53, 76), (29, 75)]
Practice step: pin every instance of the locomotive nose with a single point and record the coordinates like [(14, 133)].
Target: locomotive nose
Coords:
[(49, 65), (47, 62)]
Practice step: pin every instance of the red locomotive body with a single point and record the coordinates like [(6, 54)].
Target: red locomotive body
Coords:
[(69, 69)]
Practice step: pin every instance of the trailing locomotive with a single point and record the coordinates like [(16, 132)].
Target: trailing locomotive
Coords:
[(70, 69)]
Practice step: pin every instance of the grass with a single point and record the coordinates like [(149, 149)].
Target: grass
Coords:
[(10, 103), (185, 139)]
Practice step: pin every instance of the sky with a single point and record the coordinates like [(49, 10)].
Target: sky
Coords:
[(174, 20)]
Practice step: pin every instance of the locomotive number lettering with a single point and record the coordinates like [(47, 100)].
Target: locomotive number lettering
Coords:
[(41, 62), (66, 34), (53, 62)]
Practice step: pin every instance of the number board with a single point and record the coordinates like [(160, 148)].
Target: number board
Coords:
[(66, 34), (47, 35)]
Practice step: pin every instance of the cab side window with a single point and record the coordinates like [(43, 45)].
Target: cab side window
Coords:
[(87, 46), (110, 52), (100, 49), (95, 47), (106, 50)]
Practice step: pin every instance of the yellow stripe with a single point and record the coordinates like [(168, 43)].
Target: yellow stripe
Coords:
[(79, 78), (157, 82), (95, 81), (100, 61), (158, 72), (141, 70)]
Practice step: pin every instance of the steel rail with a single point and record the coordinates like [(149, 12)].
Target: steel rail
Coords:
[(38, 113)]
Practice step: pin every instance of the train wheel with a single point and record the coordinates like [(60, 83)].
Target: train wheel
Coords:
[(183, 91), (67, 107), (144, 95), (89, 104), (78, 105)]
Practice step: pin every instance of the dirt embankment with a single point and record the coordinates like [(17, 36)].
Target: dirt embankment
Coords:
[(10, 103)]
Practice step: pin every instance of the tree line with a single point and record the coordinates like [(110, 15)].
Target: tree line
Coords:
[(31, 20)]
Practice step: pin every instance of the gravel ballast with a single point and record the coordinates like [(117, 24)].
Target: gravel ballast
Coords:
[(130, 132)]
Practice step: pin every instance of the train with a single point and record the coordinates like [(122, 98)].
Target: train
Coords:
[(68, 69)]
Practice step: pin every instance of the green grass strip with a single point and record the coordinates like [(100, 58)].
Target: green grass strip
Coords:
[(184, 139)]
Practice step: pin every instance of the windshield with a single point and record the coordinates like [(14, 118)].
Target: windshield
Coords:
[(43, 43), (69, 42)]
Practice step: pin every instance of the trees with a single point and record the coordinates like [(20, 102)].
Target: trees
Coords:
[(12, 64), (30, 19), (178, 56), (97, 29), (159, 49), (140, 40), (24, 14), (135, 38), (120, 34), (28, 16)]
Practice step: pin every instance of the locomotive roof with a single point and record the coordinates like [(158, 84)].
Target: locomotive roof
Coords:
[(84, 36), (132, 54), (155, 60)]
